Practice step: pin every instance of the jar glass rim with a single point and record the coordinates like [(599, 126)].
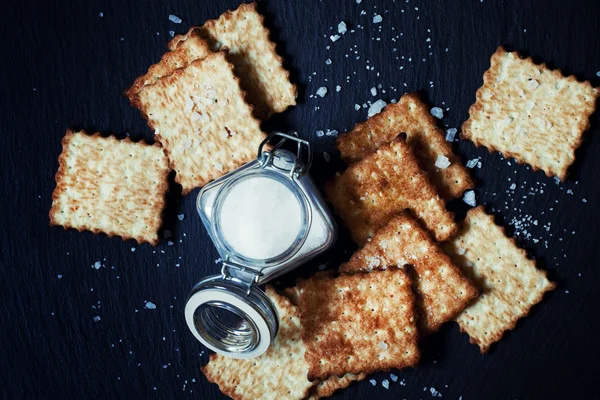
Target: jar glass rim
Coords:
[(218, 233)]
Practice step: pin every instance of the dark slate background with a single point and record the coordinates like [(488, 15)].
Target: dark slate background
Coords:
[(63, 65)]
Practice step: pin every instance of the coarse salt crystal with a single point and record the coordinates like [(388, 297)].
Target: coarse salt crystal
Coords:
[(322, 91), (320, 133), (437, 112), (383, 345), (328, 61), (472, 163), (172, 33), (469, 198), (342, 28), (357, 107), (442, 162), (334, 38), (133, 249), (175, 19), (394, 377), (97, 318), (326, 156), (373, 91), (450, 134), (373, 382), (181, 217), (532, 84), (331, 132), (376, 108), (513, 186), (97, 265), (385, 383), (461, 251), (377, 18), (150, 306), (338, 88)]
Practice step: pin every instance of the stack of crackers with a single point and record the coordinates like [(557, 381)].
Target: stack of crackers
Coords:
[(417, 268), (204, 100)]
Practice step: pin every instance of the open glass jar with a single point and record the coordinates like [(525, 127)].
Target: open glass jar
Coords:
[(265, 219)]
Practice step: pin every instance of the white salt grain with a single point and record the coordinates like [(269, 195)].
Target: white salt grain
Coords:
[(357, 107), (437, 112), (373, 91), (383, 345), (377, 19), (385, 383), (133, 249), (326, 156), (175, 19), (469, 198), (450, 134), (532, 84), (513, 186), (320, 133), (322, 91), (334, 38), (394, 377), (181, 217), (442, 162), (150, 306), (473, 162), (342, 28), (97, 318), (338, 88), (97, 265), (373, 382), (376, 108)]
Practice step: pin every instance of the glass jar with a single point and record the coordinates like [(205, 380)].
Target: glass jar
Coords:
[(265, 219)]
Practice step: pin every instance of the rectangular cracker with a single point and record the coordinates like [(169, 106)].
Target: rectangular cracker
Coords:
[(358, 323), (257, 64), (382, 184), (410, 115), (441, 290), (112, 186), (531, 113), (194, 48), (202, 120), (279, 373), (511, 282)]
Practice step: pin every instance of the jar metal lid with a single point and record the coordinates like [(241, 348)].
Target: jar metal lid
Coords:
[(229, 320)]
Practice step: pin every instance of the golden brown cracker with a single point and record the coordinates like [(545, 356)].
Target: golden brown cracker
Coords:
[(511, 282), (412, 116), (441, 289), (332, 384), (202, 120), (530, 112), (111, 186), (358, 323), (253, 54), (382, 184)]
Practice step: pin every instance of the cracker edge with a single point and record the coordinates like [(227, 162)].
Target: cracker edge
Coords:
[(173, 43), (476, 108), (60, 188), (552, 285), (138, 104)]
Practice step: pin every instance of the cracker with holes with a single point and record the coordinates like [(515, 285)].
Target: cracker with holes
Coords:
[(257, 64), (441, 290), (382, 184), (202, 120), (106, 185), (530, 112), (332, 384), (510, 281), (433, 153), (194, 48), (358, 323)]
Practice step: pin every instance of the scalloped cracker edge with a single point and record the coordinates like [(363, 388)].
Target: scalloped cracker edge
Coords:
[(382, 184), (200, 116), (441, 289), (410, 115), (254, 56), (511, 283), (359, 323), (531, 113), (111, 186)]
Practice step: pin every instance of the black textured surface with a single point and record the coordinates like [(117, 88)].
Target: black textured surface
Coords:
[(63, 65)]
